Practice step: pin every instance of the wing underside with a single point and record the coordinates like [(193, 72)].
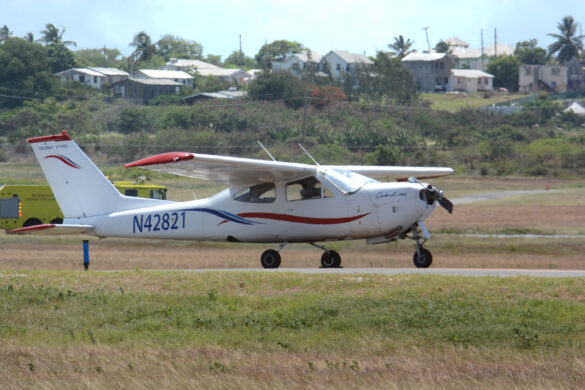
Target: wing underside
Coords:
[(237, 171)]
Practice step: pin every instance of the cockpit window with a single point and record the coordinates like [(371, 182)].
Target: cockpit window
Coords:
[(307, 188), (347, 182), (259, 193)]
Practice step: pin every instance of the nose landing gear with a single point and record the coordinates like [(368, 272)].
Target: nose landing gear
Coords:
[(422, 257)]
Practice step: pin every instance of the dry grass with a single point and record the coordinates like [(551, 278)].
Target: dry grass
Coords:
[(110, 367)]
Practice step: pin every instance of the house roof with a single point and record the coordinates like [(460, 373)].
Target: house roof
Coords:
[(216, 95), (164, 74), (184, 63), (351, 58), (488, 51), (576, 108), (304, 56), (152, 82), (454, 41), (86, 71), (110, 71), (425, 57), (220, 72), (470, 73)]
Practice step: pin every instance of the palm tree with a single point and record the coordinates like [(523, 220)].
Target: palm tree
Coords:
[(145, 49), (5, 33), (29, 37), (52, 35), (401, 47), (567, 44)]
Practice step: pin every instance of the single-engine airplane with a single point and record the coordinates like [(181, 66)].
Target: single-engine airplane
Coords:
[(266, 202)]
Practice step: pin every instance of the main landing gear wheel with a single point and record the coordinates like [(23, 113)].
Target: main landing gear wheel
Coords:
[(331, 259), (270, 259), (422, 258)]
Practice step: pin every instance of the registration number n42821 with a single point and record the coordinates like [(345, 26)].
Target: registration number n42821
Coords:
[(158, 222)]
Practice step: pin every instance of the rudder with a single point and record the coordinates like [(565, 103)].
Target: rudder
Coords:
[(80, 188)]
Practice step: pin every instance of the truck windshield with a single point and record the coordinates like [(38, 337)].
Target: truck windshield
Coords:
[(345, 181)]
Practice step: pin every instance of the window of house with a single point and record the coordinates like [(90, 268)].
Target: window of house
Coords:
[(479, 81), (527, 70), (338, 67), (555, 71), (304, 189), (259, 193), (95, 79), (347, 68)]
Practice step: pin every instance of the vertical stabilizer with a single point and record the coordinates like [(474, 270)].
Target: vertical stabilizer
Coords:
[(80, 188)]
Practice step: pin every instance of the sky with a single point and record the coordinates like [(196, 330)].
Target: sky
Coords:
[(359, 26)]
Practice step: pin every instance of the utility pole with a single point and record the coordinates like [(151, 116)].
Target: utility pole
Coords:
[(427, 34), (482, 63), (241, 56), (496, 42)]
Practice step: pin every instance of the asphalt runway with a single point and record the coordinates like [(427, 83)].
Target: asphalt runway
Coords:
[(412, 271)]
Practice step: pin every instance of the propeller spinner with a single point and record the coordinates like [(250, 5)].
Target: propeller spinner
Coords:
[(433, 194)]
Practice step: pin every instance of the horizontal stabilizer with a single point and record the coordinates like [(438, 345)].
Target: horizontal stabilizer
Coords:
[(51, 228)]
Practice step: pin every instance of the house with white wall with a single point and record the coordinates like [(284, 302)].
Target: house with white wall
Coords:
[(95, 77), (471, 80), (430, 71), (297, 63), (341, 63), (174, 75)]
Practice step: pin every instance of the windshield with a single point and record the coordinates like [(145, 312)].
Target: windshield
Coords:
[(347, 182)]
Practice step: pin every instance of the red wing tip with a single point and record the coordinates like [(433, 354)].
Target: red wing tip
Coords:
[(47, 138), (164, 158), (31, 228)]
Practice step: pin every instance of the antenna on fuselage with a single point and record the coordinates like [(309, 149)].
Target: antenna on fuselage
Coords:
[(266, 150), (308, 154)]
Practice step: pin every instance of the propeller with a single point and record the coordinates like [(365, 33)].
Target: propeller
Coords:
[(433, 194)]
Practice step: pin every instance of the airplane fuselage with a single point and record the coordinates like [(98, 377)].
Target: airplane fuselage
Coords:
[(375, 210)]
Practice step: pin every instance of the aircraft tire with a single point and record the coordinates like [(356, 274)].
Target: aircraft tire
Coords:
[(424, 261), (270, 259), (32, 222), (331, 259), (57, 221)]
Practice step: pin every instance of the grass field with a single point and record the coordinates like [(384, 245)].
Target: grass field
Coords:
[(454, 102), (243, 330), (150, 325)]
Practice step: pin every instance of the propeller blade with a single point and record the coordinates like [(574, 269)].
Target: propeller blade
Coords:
[(447, 205)]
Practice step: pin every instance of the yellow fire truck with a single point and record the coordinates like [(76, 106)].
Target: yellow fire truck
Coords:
[(28, 205)]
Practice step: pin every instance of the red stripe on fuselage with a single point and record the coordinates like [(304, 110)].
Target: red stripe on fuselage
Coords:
[(298, 219)]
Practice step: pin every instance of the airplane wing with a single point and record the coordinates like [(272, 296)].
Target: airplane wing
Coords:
[(223, 169), (52, 228), (388, 173)]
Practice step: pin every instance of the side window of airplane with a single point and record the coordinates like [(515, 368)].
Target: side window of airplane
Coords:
[(307, 188), (259, 193)]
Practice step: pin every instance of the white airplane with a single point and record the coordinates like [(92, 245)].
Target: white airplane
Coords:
[(266, 202)]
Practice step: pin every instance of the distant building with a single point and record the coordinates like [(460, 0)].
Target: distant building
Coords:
[(175, 75), (549, 78), (431, 71), (205, 69), (470, 58), (341, 63), (299, 62), (229, 94), (471, 80), (184, 64), (141, 90), (95, 77), (575, 75)]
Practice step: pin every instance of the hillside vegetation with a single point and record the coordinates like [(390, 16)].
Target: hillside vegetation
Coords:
[(538, 140)]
